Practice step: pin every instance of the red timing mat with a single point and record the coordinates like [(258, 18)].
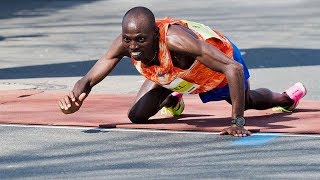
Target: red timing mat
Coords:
[(107, 110)]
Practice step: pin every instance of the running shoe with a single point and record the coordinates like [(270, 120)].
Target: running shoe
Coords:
[(174, 110), (296, 93)]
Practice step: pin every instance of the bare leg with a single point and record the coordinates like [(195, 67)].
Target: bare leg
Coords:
[(150, 99), (263, 98)]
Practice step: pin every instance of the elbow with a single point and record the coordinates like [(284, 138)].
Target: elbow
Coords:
[(235, 69), (238, 68)]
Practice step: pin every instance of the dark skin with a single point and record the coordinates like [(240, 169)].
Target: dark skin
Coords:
[(141, 42)]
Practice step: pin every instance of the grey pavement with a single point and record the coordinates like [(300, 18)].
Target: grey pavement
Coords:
[(50, 44), (85, 153)]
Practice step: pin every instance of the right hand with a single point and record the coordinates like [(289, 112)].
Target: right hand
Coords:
[(236, 131), (70, 104)]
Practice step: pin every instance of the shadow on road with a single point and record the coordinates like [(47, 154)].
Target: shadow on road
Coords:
[(281, 57), (255, 58), (32, 8), (70, 69)]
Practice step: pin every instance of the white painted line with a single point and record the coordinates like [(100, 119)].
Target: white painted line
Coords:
[(153, 130), (107, 129)]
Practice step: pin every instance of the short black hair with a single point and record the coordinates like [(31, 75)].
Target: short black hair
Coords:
[(140, 12)]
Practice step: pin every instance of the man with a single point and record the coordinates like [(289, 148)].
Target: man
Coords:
[(181, 57)]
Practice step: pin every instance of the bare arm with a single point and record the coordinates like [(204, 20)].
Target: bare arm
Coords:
[(72, 102), (105, 64), (180, 41)]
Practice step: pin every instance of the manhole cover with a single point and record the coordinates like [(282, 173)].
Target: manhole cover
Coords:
[(37, 86)]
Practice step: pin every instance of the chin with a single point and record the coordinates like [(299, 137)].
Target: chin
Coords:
[(137, 58)]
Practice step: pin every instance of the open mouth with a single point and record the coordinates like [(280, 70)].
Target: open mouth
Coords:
[(136, 55)]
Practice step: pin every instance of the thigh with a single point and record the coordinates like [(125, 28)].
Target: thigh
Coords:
[(148, 89)]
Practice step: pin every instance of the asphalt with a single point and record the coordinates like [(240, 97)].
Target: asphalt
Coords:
[(48, 45), (92, 153)]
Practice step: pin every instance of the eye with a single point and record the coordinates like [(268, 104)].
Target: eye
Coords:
[(141, 39), (126, 40)]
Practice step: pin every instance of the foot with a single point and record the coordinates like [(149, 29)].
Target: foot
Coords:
[(296, 93), (174, 110)]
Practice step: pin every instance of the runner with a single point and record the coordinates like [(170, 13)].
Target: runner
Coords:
[(179, 56)]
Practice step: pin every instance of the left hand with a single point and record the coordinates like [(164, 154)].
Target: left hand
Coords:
[(235, 131)]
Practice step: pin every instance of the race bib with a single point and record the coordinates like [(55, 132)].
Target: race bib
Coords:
[(205, 31), (181, 86)]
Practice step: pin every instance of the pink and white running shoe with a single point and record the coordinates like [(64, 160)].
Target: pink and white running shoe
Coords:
[(296, 93)]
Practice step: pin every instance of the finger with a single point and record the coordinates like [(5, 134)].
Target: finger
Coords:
[(77, 103), (224, 132), (239, 133), (82, 96), (248, 133), (71, 95), (64, 105), (67, 102), (60, 105)]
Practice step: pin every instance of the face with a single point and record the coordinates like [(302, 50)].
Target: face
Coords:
[(139, 41)]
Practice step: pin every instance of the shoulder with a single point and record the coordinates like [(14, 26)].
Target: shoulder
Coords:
[(181, 39), (177, 31)]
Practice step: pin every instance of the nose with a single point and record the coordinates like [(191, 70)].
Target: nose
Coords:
[(133, 45)]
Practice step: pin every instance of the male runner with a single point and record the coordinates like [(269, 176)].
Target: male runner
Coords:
[(179, 56)]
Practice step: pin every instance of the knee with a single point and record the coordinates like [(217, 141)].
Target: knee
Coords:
[(137, 118)]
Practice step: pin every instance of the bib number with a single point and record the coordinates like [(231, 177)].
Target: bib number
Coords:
[(181, 86)]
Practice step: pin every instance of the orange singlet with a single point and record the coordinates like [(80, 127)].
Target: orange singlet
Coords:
[(198, 78)]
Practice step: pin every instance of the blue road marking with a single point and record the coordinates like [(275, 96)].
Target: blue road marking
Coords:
[(255, 140)]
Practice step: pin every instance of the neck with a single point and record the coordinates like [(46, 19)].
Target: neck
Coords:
[(153, 61)]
